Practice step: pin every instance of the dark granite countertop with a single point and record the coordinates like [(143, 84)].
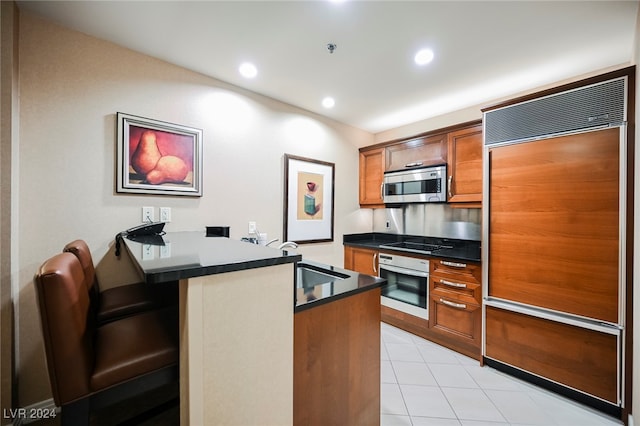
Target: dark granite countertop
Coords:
[(348, 283), (179, 255), (466, 250)]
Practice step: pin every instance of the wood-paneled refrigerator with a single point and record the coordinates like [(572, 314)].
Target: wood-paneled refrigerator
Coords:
[(555, 240)]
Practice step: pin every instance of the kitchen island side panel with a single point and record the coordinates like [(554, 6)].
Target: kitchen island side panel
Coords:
[(237, 347), (554, 224)]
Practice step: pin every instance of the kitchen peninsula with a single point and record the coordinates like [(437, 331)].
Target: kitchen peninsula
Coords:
[(237, 306)]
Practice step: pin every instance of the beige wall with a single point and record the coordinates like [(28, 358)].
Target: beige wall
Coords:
[(71, 88)]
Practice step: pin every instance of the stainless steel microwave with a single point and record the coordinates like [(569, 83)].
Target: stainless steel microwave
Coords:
[(423, 185)]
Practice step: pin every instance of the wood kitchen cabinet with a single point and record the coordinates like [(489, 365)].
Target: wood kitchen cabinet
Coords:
[(361, 260), (371, 173), (455, 304), (460, 147), (418, 152), (464, 165)]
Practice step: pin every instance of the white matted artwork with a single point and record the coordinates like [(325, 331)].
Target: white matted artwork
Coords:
[(308, 200)]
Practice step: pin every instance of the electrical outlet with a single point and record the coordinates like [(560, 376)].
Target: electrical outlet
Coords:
[(252, 227), (165, 214), (147, 214)]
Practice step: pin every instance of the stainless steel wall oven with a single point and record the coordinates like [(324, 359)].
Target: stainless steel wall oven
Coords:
[(407, 288)]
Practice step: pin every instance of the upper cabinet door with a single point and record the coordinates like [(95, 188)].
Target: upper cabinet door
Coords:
[(419, 152), (465, 165), (371, 174)]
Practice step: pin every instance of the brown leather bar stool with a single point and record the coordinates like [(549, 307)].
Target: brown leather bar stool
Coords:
[(92, 367), (121, 301)]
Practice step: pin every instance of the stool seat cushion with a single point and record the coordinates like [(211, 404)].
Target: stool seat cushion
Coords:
[(133, 346)]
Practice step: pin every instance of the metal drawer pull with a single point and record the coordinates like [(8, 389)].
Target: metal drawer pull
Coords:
[(453, 264), (452, 284), (453, 304)]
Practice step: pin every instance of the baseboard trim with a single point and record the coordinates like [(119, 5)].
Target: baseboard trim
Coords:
[(40, 410)]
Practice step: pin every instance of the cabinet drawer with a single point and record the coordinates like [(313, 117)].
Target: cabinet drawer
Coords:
[(463, 271), (460, 320), (450, 287)]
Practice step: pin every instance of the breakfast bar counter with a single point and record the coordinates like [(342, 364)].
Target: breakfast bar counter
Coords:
[(236, 325)]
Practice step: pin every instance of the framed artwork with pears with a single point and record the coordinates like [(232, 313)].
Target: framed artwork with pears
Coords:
[(308, 200), (156, 157)]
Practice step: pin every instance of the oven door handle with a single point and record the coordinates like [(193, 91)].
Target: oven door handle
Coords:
[(404, 271)]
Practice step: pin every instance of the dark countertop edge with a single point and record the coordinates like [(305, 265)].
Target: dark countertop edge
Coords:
[(324, 301), (373, 240), (159, 276), (370, 283)]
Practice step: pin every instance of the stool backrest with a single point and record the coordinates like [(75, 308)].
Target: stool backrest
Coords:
[(81, 250), (63, 302)]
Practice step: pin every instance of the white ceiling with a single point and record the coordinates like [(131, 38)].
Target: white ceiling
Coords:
[(483, 50)]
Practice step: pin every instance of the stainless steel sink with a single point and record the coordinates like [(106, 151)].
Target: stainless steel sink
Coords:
[(312, 275)]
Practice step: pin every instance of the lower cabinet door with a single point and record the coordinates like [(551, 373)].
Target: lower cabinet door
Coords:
[(460, 320), (580, 358)]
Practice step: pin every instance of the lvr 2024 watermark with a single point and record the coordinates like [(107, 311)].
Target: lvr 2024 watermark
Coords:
[(29, 413)]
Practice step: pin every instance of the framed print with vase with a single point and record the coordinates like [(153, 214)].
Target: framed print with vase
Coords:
[(308, 200)]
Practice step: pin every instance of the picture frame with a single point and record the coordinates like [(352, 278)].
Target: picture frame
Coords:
[(309, 193), (156, 157)]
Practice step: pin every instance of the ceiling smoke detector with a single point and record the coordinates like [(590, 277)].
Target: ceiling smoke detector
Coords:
[(331, 47)]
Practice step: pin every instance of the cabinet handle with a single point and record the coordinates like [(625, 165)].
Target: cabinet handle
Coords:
[(375, 256), (416, 164), (453, 264), (452, 284), (453, 304), (382, 191), (449, 185)]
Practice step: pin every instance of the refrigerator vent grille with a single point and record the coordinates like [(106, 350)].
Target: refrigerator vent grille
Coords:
[(601, 104)]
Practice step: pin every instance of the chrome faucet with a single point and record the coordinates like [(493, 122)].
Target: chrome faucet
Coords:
[(287, 244), (271, 242)]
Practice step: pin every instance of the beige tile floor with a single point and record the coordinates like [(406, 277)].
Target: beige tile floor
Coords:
[(425, 384)]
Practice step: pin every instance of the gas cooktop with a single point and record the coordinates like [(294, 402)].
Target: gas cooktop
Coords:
[(415, 247)]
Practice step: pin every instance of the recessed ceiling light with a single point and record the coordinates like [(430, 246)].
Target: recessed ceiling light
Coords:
[(328, 102), (423, 57), (248, 70)]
